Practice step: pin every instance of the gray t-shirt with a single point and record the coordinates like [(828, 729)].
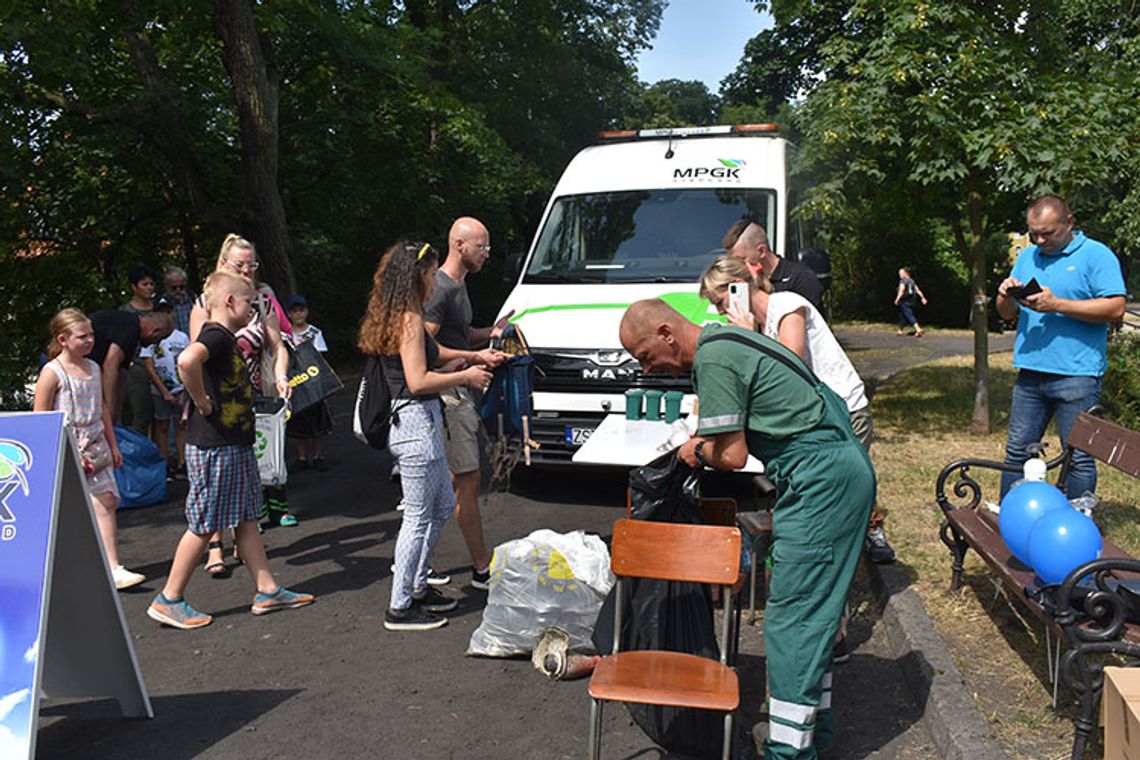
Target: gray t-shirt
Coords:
[(450, 308)]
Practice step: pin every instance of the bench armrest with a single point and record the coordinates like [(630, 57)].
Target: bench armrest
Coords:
[(1107, 606), (965, 486)]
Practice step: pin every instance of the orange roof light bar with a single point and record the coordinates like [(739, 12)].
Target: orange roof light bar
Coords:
[(753, 128)]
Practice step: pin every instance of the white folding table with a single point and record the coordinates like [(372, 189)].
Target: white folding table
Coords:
[(620, 442)]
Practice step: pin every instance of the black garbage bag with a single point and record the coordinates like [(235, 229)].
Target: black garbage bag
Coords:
[(665, 615)]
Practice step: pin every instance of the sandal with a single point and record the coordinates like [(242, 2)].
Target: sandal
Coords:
[(217, 568)]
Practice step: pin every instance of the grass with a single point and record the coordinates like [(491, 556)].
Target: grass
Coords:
[(922, 416)]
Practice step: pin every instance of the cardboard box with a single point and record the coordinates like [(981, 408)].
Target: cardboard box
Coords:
[(1120, 713)]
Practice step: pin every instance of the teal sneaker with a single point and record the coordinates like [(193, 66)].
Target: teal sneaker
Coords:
[(178, 614), (281, 599)]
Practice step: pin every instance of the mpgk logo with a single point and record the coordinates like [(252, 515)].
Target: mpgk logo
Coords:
[(15, 461), (729, 169)]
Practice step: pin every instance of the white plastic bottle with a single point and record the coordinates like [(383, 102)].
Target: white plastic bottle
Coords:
[(1033, 469)]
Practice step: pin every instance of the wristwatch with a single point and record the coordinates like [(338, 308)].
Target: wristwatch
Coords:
[(699, 455)]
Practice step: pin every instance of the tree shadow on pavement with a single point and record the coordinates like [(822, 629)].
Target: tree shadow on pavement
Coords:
[(184, 726)]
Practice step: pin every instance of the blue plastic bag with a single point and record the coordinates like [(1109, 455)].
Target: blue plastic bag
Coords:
[(142, 478)]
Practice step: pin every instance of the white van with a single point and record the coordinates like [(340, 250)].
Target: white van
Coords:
[(639, 215)]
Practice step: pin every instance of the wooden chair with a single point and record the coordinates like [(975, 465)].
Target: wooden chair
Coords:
[(675, 552)]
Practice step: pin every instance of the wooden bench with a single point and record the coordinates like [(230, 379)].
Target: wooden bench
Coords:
[(1100, 627)]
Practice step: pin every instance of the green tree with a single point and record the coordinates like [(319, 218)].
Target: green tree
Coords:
[(972, 108), (675, 103)]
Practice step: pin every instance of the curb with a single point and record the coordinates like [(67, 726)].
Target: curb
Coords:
[(950, 714)]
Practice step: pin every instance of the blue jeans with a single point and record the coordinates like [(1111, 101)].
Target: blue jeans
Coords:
[(1037, 398)]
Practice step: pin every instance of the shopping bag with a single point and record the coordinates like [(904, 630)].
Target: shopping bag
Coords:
[(269, 441), (142, 478), (310, 377)]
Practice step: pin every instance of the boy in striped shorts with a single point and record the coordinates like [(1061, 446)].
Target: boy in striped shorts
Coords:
[(225, 491)]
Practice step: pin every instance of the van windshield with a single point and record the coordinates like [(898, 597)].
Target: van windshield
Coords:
[(643, 235)]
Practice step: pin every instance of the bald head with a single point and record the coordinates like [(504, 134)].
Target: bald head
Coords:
[(658, 337), (468, 246)]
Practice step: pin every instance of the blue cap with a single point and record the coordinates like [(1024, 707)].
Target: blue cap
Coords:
[(297, 300)]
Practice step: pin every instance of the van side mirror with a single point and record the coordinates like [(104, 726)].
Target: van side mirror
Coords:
[(819, 261), (512, 268)]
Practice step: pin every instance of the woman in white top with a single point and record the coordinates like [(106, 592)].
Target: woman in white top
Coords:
[(792, 320)]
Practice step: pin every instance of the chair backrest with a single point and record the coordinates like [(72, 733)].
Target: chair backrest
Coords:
[(676, 552)]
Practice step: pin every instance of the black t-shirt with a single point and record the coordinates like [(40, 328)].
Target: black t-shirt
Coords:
[(227, 384), (393, 367), (797, 278), (115, 326), (450, 308)]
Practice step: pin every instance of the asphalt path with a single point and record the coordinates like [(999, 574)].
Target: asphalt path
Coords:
[(329, 681)]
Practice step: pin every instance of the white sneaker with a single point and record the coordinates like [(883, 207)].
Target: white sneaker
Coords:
[(125, 578)]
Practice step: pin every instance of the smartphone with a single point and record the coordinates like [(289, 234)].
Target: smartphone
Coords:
[(738, 297), (1019, 292)]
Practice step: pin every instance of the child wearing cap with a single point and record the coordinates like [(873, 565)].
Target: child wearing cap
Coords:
[(308, 426), (167, 393)]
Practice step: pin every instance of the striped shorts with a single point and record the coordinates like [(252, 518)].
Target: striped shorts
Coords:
[(225, 489)]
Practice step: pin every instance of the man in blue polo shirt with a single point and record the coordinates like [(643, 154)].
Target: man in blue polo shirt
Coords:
[(1062, 333)]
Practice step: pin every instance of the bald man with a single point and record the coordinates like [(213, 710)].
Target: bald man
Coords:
[(758, 397), (749, 241), (1061, 350), (447, 316)]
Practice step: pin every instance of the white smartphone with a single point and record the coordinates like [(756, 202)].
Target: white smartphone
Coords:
[(738, 297)]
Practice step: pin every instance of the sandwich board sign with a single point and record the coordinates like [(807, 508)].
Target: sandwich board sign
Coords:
[(62, 630)]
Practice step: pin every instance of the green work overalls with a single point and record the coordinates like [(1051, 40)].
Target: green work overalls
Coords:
[(826, 488)]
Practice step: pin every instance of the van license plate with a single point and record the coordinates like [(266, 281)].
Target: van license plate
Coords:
[(577, 436)]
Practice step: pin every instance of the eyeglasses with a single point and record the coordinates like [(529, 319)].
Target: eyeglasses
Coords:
[(485, 248), (243, 266)]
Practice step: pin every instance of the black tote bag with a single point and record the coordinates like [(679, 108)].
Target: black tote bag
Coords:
[(310, 376)]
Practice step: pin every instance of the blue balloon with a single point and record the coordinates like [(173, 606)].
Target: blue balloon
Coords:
[(1023, 506), (1060, 542)]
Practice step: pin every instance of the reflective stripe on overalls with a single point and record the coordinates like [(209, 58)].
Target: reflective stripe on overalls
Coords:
[(826, 488)]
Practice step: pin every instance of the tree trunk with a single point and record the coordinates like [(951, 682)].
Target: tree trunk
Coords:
[(980, 422), (256, 94)]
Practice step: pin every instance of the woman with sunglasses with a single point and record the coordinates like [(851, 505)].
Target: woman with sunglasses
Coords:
[(266, 361), (416, 369)]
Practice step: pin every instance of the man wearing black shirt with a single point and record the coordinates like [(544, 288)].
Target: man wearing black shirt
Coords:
[(118, 335), (749, 241)]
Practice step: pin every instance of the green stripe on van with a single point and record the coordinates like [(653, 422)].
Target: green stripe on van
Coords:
[(690, 305)]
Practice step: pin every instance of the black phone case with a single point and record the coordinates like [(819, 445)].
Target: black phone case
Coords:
[(1024, 291)]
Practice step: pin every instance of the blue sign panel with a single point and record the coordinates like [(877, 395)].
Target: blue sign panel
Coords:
[(29, 458)]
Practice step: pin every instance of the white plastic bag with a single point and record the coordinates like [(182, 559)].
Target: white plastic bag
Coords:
[(269, 446), (546, 579)]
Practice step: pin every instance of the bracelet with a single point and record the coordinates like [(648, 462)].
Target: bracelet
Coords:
[(701, 457)]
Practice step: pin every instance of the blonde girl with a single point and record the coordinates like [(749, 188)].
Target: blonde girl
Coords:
[(71, 383)]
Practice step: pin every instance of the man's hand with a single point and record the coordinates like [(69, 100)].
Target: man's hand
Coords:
[(1044, 301), (205, 406), (1006, 284), (489, 357), (498, 327), (688, 452)]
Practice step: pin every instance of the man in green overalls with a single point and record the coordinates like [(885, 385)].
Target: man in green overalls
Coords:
[(757, 397)]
